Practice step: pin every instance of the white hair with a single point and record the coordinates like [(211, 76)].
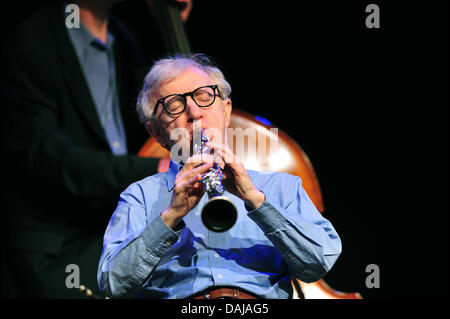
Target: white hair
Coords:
[(167, 69)]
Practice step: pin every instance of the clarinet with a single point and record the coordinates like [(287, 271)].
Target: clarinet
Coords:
[(219, 214)]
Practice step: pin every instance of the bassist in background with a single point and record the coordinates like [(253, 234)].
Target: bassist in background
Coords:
[(71, 139)]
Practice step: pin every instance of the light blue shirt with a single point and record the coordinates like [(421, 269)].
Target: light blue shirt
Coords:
[(97, 62), (286, 236)]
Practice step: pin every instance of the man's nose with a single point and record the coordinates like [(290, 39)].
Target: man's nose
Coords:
[(193, 111)]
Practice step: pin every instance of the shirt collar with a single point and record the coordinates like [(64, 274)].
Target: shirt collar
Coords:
[(82, 38), (174, 168)]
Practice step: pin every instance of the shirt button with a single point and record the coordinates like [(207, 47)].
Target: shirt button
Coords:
[(216, 255), (116, 144), (219, 276)]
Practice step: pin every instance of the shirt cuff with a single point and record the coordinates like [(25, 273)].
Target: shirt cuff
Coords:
[(268, 218), (158, 237)]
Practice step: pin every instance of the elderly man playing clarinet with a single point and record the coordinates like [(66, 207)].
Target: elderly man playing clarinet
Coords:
[(156, 245)]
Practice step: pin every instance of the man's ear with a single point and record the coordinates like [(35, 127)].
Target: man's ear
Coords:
[(227, 108), (154, 131)]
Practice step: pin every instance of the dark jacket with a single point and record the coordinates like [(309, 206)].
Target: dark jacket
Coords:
[(63, 182)]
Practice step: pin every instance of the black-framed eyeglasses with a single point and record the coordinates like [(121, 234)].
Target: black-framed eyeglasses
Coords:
[(175, 104)]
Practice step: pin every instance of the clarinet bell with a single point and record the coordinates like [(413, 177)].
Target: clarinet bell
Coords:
[(219, 214)]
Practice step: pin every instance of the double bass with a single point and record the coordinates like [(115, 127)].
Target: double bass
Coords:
[(295, 161)]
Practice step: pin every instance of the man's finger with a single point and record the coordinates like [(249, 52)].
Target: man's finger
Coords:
[(183, 176), (224, 152), (199, 169), (189, 183), (197, 159)]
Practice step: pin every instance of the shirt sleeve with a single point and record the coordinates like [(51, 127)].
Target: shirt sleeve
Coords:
[(132, 248), (307, 241)]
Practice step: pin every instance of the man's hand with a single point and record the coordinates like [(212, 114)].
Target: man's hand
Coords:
[(186, 7), (188, 189), (235, 176)]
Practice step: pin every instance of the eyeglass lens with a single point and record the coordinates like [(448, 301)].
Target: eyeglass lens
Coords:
[(203, 97)]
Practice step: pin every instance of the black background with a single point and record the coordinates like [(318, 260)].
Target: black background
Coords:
[(368, 106)]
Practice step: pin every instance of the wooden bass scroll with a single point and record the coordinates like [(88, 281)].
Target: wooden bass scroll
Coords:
[(290, 158)]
